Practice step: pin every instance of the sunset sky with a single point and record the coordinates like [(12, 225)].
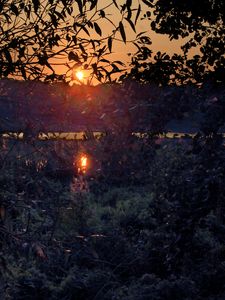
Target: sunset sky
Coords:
[(120, 50)]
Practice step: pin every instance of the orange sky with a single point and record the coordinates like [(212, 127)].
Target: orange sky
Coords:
[(120, 50)]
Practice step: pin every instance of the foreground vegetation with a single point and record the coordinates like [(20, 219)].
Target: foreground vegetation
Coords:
[(150, 225)]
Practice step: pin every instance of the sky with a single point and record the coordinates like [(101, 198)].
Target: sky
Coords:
[(120, 50)]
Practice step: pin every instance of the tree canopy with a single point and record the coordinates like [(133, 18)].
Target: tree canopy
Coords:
[(203, 32), (37, 36)]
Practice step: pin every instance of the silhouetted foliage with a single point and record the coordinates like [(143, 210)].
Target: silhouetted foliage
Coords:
[(39, 36), (201, 27), (147, 221)]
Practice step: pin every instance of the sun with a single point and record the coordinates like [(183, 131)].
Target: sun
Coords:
[(80, 75)]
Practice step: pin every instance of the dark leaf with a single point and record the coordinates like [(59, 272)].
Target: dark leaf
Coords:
[(148, 3), (93, 4), (8, 56), (14, 9), (148, 13), (122, 31), (138, 14), (119, 62), (131, 24), (153, 25), (104, 60), (128, 3), (54, 20), (59, 15), (95, 68), (102, 13), (80, 5), (22, 52), (129, 13), (93, 44), (7, 17), (97, 29), (36, 29), (23, 72), (85, 30), (110, 43), (36, 4), (73, 56), (115, 3), (82, 48), (13, 44), (74, 37), (145, 40)]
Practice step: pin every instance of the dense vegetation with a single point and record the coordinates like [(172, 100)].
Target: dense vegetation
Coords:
[(148, 223), (147, 220)]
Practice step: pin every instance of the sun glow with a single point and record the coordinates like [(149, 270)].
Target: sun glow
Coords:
[(82, 164), (80, 75)]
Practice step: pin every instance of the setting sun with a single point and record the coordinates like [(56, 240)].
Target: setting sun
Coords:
[(80, 75)]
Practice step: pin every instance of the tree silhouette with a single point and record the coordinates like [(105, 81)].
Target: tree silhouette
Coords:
[(37, 36), (201, 27)]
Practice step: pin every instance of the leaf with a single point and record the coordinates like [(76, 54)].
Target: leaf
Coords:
[(80, 5), (93, 4), (59, 15), (128, 3), (148, 3), (82, 48), (119, 62), (7, 17), (102, 13), (140, 33), (54, 20), (131, 24), (14, 9), (36, 29), (114, 1), (153, 25), (74, 37), (138, 14), (23, 72), (104, 60), (36, 4), (95, 68), (73, 56), (122, 32), (148, 13), (145, 40), (97, 29), (110, 43), (85, 29), (22, 52), (8, 56), (93, 44)]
